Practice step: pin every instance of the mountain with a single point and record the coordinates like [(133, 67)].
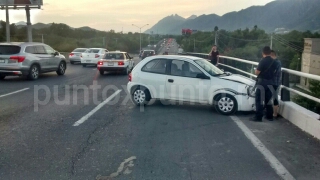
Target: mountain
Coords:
[(21, 23), (162, 26), (86, 28), (288, 14), (192, 17)]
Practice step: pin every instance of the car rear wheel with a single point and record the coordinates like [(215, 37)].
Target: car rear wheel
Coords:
[(61, 69), (140, 96), (34, 72), (101, 72), (83, 65), (71, 62), (226, 104), (2, 77)]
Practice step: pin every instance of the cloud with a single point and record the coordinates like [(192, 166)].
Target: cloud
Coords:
[(113, 14)]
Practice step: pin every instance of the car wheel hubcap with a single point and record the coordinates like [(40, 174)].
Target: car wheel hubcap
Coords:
[(35, 72), (62, 68), (226, 104), (139, 96)]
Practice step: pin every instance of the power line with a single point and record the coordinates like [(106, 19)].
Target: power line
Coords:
[(249, 40), (289, 45), (289, 42)]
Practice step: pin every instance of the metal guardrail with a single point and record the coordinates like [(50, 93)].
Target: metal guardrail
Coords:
[(285, 89)]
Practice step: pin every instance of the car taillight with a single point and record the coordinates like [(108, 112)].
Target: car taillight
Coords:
[(120, 63), (18, 58), (130, 77), (71, 54), (97, 55), (100, 63)]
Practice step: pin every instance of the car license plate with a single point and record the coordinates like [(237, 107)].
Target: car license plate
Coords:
[(110, 63), (88, 61), (2, 61)]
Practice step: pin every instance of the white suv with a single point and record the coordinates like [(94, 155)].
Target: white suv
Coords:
[(190, 79)]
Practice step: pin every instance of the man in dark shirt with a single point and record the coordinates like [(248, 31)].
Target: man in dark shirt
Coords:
[(277, 84), (214, 55), (265, 72)]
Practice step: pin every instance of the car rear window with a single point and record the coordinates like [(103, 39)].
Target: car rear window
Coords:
[(92, 51), (79, 50), (114, 56), (9, 49), (148, 52)]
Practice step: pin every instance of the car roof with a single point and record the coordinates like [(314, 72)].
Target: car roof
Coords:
[(96, 48), (116, 52), (22, 43), (177, 57)]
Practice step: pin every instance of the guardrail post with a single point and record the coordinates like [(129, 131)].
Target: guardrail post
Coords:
[(285, 94)]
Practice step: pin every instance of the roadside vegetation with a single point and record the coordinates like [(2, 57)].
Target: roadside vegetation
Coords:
[(64, 38)]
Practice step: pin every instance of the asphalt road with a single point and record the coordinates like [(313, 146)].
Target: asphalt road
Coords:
[(39, 139)]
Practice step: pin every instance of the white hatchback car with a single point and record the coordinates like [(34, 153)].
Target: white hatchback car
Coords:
[(190, 79), (115, 61)]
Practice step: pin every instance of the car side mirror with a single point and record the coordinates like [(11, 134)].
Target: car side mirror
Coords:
[(202, 76), (56, 53)]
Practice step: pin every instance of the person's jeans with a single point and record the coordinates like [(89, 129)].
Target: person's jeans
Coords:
[(263, 97)]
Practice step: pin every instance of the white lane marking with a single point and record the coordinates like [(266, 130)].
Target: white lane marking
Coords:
[(15, 92), (273, 161), (121, 167), (86, 117)]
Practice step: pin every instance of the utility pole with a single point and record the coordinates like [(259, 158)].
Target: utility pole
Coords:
[(29, 27), (116, 42), (7, 22), (271, 43), (42, 39), (194, 45), (215, 38)]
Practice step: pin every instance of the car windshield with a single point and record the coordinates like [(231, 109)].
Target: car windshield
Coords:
[(8, 49), (114, 56), (208, 67), (79, 50)]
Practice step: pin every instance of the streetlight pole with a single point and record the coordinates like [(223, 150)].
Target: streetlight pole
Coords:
[(7, 22), (140, 32)]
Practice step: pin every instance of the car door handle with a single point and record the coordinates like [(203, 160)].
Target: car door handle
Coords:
[(170, 80)]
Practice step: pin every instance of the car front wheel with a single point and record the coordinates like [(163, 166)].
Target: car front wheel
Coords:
[(226, 104), (61, 69), (140, 96)]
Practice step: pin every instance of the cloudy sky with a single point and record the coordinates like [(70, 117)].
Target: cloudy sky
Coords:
[(118, 14)]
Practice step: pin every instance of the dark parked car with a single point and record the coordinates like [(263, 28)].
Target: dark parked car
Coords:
[(147, 53)]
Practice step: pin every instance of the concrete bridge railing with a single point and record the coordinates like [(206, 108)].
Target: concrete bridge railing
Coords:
[(301, 117)]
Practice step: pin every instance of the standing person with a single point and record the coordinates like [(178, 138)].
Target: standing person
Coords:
[(277, 84), (214, 55), (265, 72)]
